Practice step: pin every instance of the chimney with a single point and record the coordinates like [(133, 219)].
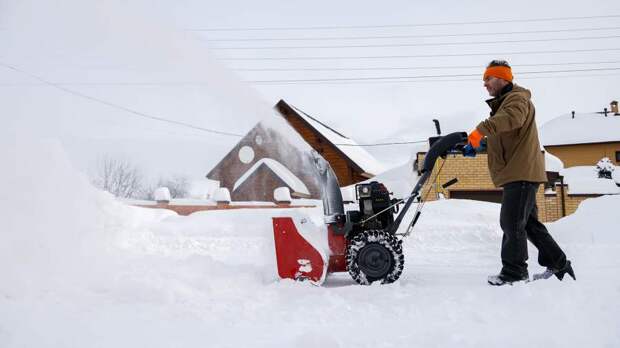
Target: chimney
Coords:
[(614, 106)]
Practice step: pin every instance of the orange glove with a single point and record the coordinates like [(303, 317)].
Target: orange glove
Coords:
[(474, 138)]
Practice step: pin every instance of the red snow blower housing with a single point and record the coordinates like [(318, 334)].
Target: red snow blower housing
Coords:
[(364, 242)]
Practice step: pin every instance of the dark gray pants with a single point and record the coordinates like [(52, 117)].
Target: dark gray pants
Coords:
[(519, 221)]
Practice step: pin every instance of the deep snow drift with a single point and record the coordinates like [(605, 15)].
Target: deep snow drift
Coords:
[(80, 269)]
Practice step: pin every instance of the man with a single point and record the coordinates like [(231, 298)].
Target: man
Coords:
[(516, 164)]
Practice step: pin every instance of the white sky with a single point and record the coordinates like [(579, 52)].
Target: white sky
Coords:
[(142, 57)]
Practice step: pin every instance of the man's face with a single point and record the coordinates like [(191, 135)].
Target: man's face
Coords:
[(494, 85)]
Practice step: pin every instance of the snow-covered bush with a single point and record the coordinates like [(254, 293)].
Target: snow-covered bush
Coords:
[(605, 168)]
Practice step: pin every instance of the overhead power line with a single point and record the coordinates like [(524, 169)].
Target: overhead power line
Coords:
[(468, 79), (174, 84), (420, 44), (444, 67), (380, 37), (420, 55), (411, 25), (380, 78), (120, 107)]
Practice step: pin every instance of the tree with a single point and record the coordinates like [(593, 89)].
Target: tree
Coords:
[(119, 177), (177, 184)]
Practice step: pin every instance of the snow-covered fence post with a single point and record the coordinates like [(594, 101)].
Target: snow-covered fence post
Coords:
[(605, 168), (162, 195), (282, 195), (222, 196)]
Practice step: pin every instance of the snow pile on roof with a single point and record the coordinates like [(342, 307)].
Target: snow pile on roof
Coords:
[(583, 129), (348, 146), (585, 180), (280, 170), (553, 163)]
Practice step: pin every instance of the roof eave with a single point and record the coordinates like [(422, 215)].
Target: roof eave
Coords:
[(283, 106)]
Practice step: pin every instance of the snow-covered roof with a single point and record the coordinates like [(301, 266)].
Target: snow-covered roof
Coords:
[(585, 128), (348, 146), (584, 180), (552, 163), (280, 170)]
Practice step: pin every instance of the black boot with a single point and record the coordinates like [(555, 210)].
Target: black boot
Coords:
[(559, 273)]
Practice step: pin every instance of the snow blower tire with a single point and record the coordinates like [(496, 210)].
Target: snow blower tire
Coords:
[(375, 255)]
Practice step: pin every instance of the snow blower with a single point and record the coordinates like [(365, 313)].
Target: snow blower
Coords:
[(365, 242)]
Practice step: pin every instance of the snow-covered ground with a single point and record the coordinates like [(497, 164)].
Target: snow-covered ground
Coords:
[(79, 269)]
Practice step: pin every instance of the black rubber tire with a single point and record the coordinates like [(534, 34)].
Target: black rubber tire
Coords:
[(375, 255)]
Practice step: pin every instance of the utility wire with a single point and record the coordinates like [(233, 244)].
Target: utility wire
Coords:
[(119, 107), (374, 78), (420, 44), (380, 37), (420, 55), (393, 82), (328, 27), (379, 78), (419, 67)]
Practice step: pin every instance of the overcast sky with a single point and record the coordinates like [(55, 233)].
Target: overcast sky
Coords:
[(96, 75)]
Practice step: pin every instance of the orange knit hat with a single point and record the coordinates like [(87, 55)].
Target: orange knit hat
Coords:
[(502, 72)]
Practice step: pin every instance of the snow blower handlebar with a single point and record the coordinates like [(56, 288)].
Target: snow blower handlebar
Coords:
[(440, 146)]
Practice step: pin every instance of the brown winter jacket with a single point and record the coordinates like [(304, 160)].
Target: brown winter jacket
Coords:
[(513, 147)]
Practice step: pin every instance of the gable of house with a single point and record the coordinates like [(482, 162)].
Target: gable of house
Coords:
[(267, 159)]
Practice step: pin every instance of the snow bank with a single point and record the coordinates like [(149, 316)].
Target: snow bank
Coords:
[(58, 231), (594, 222), (48, 214)]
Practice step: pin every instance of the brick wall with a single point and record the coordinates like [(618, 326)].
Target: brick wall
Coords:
[(472, 174)]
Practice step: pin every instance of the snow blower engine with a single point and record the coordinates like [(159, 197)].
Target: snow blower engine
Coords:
[(367, 242)]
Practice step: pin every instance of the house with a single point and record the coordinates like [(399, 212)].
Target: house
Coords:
[(582, 139), (560, 196), (277, 153)]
